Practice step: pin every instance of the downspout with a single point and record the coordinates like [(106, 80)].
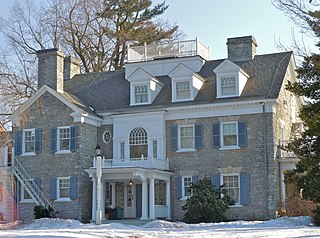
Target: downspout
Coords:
[(265, 155)]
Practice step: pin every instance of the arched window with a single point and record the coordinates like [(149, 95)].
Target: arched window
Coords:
[(138, 140)]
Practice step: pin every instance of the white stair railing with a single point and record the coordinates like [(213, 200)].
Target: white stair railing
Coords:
[(29, 184)]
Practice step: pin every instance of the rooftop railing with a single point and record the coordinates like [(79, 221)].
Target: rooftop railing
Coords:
[(169, 49)]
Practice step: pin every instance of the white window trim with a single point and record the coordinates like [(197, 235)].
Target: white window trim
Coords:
[(132, 97), (179, 140), (230, 147), (239, 185), (219, 91), (183, 197), (58, 140), (23, 142), (66, 199), (22, 199), (174, 90)]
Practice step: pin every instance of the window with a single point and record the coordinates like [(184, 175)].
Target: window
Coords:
[(28, 141), (25, 196), (186, 186), (64, 138), (231, 184), (141, 94), (138, 140), (228, 86), (229, 134), (63, 188), (182, 90), (186, 134), (106, 137)]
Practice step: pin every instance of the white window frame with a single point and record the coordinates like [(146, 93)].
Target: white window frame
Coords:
[(237, 204), (184, 187), (219, 88), (33, 130), (59, 151), (179, 139), (62, 199), (133, 95), (227, 147), (175, 95), (22, 191)]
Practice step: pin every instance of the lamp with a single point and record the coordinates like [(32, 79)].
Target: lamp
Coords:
[(98, 150), (130, 183)]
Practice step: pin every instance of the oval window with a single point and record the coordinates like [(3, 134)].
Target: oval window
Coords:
[(106, 137)]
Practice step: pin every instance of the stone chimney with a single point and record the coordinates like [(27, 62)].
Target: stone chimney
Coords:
[(50, 69), (241, 48), (71, 67)]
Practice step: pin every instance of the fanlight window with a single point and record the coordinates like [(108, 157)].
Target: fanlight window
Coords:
[(138, 140)]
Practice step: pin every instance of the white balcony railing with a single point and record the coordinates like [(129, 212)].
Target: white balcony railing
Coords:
[(284, 152), (168, 49), (143, 162)]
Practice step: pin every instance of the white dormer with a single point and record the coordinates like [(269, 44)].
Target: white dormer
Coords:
[(143, 87), (185, 83), (231, 79)]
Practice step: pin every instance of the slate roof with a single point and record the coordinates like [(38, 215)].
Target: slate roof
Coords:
[(110, 91)]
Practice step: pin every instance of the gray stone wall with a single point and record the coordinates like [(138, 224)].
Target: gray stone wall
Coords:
[(205, 163), (48, 112)]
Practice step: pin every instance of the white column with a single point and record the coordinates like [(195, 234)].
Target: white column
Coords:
[(168, 199), (99, 191), (144, 214), (282, 188), (94, 199), (113, 194), (103, 199), (151, 201)]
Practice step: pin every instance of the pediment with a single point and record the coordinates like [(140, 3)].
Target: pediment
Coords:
[(181, 71)]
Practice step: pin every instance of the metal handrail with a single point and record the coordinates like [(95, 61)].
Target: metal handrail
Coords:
[(29, 184)]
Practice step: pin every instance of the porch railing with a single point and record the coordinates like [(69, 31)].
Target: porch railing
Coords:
[(167, 49), (284, 152), (143, 162)]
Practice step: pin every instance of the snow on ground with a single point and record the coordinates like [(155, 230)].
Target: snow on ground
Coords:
[(57, 228)]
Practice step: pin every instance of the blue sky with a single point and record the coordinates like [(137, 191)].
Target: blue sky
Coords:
[(214, 21)]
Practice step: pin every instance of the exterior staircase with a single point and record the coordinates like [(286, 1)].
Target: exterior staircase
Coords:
[(24, 178)]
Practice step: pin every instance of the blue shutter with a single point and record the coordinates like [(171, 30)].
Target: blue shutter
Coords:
[(198, 131), (53, 188), (37, 181), (215, 181), (194, 179), (53, 139), (73, 188), (242, 134), (18, 143), (216, 135), (73, 138), (179, 187), (244, 188), (174, 137), (37, 149)]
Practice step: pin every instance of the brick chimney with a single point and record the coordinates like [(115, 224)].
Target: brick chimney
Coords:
[(71, 67), (50, 69), (241, 48)]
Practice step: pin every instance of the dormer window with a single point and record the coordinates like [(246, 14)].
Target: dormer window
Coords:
[(182, 90), (228, 86), (141, 93)]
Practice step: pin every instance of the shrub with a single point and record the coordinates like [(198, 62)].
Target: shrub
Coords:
[(206, 204), (296, 206), (42, 212)]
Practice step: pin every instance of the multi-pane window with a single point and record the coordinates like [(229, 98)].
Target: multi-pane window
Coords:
[(138, 140), (64, 138), (229, 134), (231, 185), (183, 90), (186, 186), (25, 196), (186, 134), (28, 140), (228, 86), (141, 93), (64, 187)]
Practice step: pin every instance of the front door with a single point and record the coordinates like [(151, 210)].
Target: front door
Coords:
[(138, 200), (130, 206)]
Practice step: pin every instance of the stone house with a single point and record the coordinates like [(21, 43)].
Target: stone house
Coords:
[(170, 118)]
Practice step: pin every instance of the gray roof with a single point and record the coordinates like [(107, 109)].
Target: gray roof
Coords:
[(110, 91)]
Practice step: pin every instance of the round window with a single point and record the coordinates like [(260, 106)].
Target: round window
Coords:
[(106, 136)]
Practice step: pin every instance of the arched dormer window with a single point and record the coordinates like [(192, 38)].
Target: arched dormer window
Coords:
[(138, 140)]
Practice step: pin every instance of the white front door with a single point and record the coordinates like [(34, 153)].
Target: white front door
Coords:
[(129, 201)]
